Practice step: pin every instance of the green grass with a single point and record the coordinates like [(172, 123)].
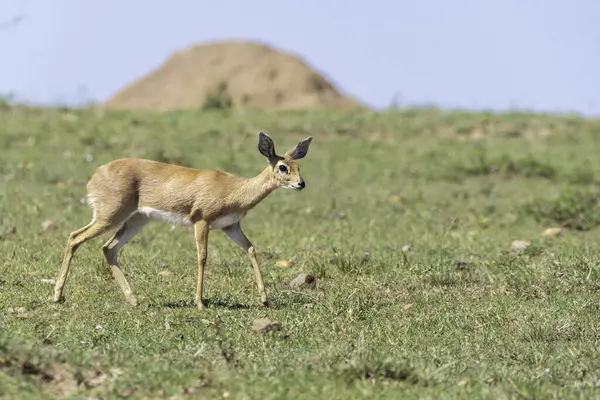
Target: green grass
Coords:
[(457, 315)]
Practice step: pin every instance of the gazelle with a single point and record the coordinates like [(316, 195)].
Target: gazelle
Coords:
[(126, 193)]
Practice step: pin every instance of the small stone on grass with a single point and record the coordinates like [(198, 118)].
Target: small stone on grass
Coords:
[(519, 244), (304, 281), (49, 224), (553, 232), (284, 263), (265, 325), (18, 312)]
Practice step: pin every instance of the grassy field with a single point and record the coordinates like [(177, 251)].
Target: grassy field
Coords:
[(441, 308)]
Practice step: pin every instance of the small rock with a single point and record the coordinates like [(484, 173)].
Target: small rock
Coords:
[(366, 257), (265, 325), (284, 263), (395, 199), (304, 281), (165, 272), (553, 232), (519, 244), (405, 248), (18, 312), (49, 224)]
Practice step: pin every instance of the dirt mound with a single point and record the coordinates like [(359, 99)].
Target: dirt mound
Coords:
[(251, 75)]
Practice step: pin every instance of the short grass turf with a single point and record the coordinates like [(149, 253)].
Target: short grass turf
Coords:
[(406, 221)]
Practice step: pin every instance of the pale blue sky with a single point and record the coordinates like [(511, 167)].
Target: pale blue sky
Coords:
[(536, 54)]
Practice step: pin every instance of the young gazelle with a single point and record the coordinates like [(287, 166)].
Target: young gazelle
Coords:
[(126, 193)]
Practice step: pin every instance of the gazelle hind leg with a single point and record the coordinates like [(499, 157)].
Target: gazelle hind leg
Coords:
[(112, 247), (235, 233), (76, 239)]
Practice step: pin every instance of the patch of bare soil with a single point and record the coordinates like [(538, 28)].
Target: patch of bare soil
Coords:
[(53, 377)]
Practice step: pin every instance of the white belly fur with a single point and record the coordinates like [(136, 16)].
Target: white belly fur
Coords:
[(170, 217), (180, 219), (226, 220)]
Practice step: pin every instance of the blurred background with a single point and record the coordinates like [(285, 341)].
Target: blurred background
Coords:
[(537, 55)]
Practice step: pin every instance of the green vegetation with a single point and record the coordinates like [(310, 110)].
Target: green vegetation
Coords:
[(441, 308), (218, 99)]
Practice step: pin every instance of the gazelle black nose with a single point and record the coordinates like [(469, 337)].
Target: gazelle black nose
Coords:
[(301, 184)]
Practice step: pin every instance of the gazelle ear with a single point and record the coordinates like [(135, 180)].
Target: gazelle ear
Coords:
[(300, 150), (266, 146)]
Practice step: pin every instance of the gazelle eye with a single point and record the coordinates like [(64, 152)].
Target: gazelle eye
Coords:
[(282, 168)]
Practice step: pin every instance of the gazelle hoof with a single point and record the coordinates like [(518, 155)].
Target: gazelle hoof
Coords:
[(132, 301), (58, 299)]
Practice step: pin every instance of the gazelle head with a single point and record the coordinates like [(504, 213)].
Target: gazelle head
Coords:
[(285, 168)]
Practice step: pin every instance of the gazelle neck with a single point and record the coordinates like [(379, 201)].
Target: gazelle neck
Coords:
[(253, 190)]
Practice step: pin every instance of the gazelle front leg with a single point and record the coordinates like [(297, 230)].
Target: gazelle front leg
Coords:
[(235, 233), (201, 233)]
